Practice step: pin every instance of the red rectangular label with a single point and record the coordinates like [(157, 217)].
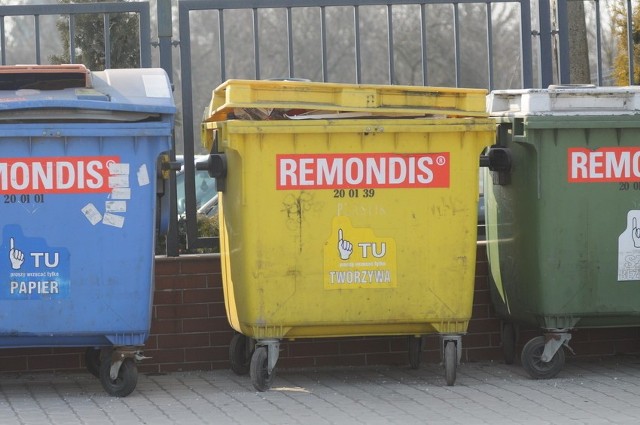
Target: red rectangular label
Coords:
[(55, 174), (610, 164), (366, 170)]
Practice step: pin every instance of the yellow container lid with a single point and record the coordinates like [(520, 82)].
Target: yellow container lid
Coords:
[(259, 98)]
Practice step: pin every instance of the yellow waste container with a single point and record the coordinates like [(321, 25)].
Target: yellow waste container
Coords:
[(345, 210)]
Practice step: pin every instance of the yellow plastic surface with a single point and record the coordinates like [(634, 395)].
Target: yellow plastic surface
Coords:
[(384, 256), (377, 99)]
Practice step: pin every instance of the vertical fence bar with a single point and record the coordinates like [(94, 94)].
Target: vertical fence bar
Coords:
[(323, 43), (392, 68), (290, 42), (598, 43), (72, 39), (107, 40), (630, 43), (546, 51), (456, 42), (223, 66), (423, 41), (356, 27), (145, 36), (3, 43), (165, 34), (489, 44), (526, 49), (36, 23), (256, 43)]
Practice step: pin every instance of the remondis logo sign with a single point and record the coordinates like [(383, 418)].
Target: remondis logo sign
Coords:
[(365, 170)]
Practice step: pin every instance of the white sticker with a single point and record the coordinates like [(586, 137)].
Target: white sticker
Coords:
[(629, 249), (156, 86), (113, 220), (115, 206), (143, 175), (115, 168), (121, 180), (92, 214), (121, 193)]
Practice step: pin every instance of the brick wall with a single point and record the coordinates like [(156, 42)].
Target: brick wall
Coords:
[(190, 331)]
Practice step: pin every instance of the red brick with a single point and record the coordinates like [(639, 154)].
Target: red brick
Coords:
[(484, 325), (482, 297), (167, 297), (476, 340), (165, 355), (220, 324), (372, 345), (180, 282), (217, 310), (151, 343), (181, 311), (198, 296), (167, 266), (51, 362), (480, 311), (626, 347), (313, 348), (13, 364), (186, 341), (607, 334), (171, 326), (198, 325), (200, 264)]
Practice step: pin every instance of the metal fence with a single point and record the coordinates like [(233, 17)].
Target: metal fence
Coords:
[(541, 49)]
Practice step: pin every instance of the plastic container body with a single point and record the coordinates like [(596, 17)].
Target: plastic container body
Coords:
[(78, 186), (346, 209), (562, 227)]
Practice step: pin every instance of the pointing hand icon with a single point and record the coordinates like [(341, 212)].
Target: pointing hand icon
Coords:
[(345, 248), (16, 256)]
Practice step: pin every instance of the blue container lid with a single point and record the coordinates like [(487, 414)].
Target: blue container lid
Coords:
[(70, 92)]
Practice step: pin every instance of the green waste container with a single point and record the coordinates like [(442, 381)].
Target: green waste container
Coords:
[(562, 197)]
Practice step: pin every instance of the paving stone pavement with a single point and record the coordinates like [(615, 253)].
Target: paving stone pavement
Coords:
[(592, 391)]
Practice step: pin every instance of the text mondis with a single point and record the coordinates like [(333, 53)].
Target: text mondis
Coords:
[(55, 175)]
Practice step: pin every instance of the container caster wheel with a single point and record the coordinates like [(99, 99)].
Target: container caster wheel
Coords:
[(415, 351), (450, 362), (240, 350), (127, 378), (92, 361), (259, 369), (508, 342), (531, 359)]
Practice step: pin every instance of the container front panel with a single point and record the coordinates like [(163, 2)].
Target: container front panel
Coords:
[(350, 232), (563, 235), (77, 237)]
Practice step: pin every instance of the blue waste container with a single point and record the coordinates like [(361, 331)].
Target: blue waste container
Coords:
[(79, 162)]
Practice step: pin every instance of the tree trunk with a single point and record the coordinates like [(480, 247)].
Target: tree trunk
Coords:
[(578, 48)]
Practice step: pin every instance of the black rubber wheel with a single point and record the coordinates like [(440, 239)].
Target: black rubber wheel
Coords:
[(415, 351), (126, 381), (92, 361), (509, 342), (260, 377), (450, 362), (240, 354), (531, 359)]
